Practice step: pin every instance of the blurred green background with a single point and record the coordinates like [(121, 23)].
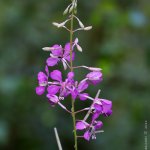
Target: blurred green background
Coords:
[(119, 43)]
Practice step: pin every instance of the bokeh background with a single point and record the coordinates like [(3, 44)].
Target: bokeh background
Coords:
[(119, 44)]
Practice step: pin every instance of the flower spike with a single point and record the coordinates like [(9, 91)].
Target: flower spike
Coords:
[(57, 87)]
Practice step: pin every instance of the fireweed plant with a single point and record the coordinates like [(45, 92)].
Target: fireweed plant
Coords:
[(57, 88)]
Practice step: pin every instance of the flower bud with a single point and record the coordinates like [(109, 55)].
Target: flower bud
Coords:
[(76, 41), (79, 48), (71, 8), (66, 10), (81, 24), (55, 24), (94, 69), (59, 25), (88, 28), (47, 48)]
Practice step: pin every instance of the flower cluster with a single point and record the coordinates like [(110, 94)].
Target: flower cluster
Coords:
[(57, 88), (98, 107)]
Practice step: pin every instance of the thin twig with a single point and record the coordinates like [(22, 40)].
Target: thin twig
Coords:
[(90, 110), (85, 109), (57, 139), (63, 107)]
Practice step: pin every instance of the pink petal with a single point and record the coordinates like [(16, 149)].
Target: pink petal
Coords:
[(98, 107), (96, 115), (53, 99), (95, 77), (82, 86), (67, 56), (87, 135), (58, 50), (70, 75), (81, 125), (107, 106), (42, 76), (40, 90), (52, 61), (47, 70), (74, 94), (53, 89), (98, 125), (83, 96), (67, 48), (56, 75)]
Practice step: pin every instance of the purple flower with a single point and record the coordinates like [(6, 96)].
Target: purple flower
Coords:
[(60, 54), (98, 125), (58, 85), (42, 81), (42, 78), (94, 77), (78, 89), (107, 107), (102, 106), (81, 125), (53, 99), (53, 89), (40, 90), (90, 128), (91, 132), (58, 89)]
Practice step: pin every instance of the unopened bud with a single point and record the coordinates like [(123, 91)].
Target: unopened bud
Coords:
[(81, 24), (88, 28), (79, 48), (47, 48), (76, 41), (59, 25), (75, 5), (66, 10), (71, 8), (55, 24), (94, 69)]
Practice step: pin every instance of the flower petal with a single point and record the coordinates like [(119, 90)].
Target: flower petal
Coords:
[(52, 61), (95, 115), (53, 99), (94, 76), (64, 92), (47, 70), (67, 56), (70, 75), (53, 89), (87, 135), (83, 97), (56, 75), (98, 107), (107, 106), (40, 90), (67, 48), (82, 86), (98, 125), (58, 51), (74, 94), (80, 125), (42, 77), (67, 52)]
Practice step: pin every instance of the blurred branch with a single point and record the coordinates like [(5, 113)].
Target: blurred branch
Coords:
[(57, 139)]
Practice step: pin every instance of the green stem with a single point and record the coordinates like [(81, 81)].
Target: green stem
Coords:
[(73, 101), (71, 42)]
